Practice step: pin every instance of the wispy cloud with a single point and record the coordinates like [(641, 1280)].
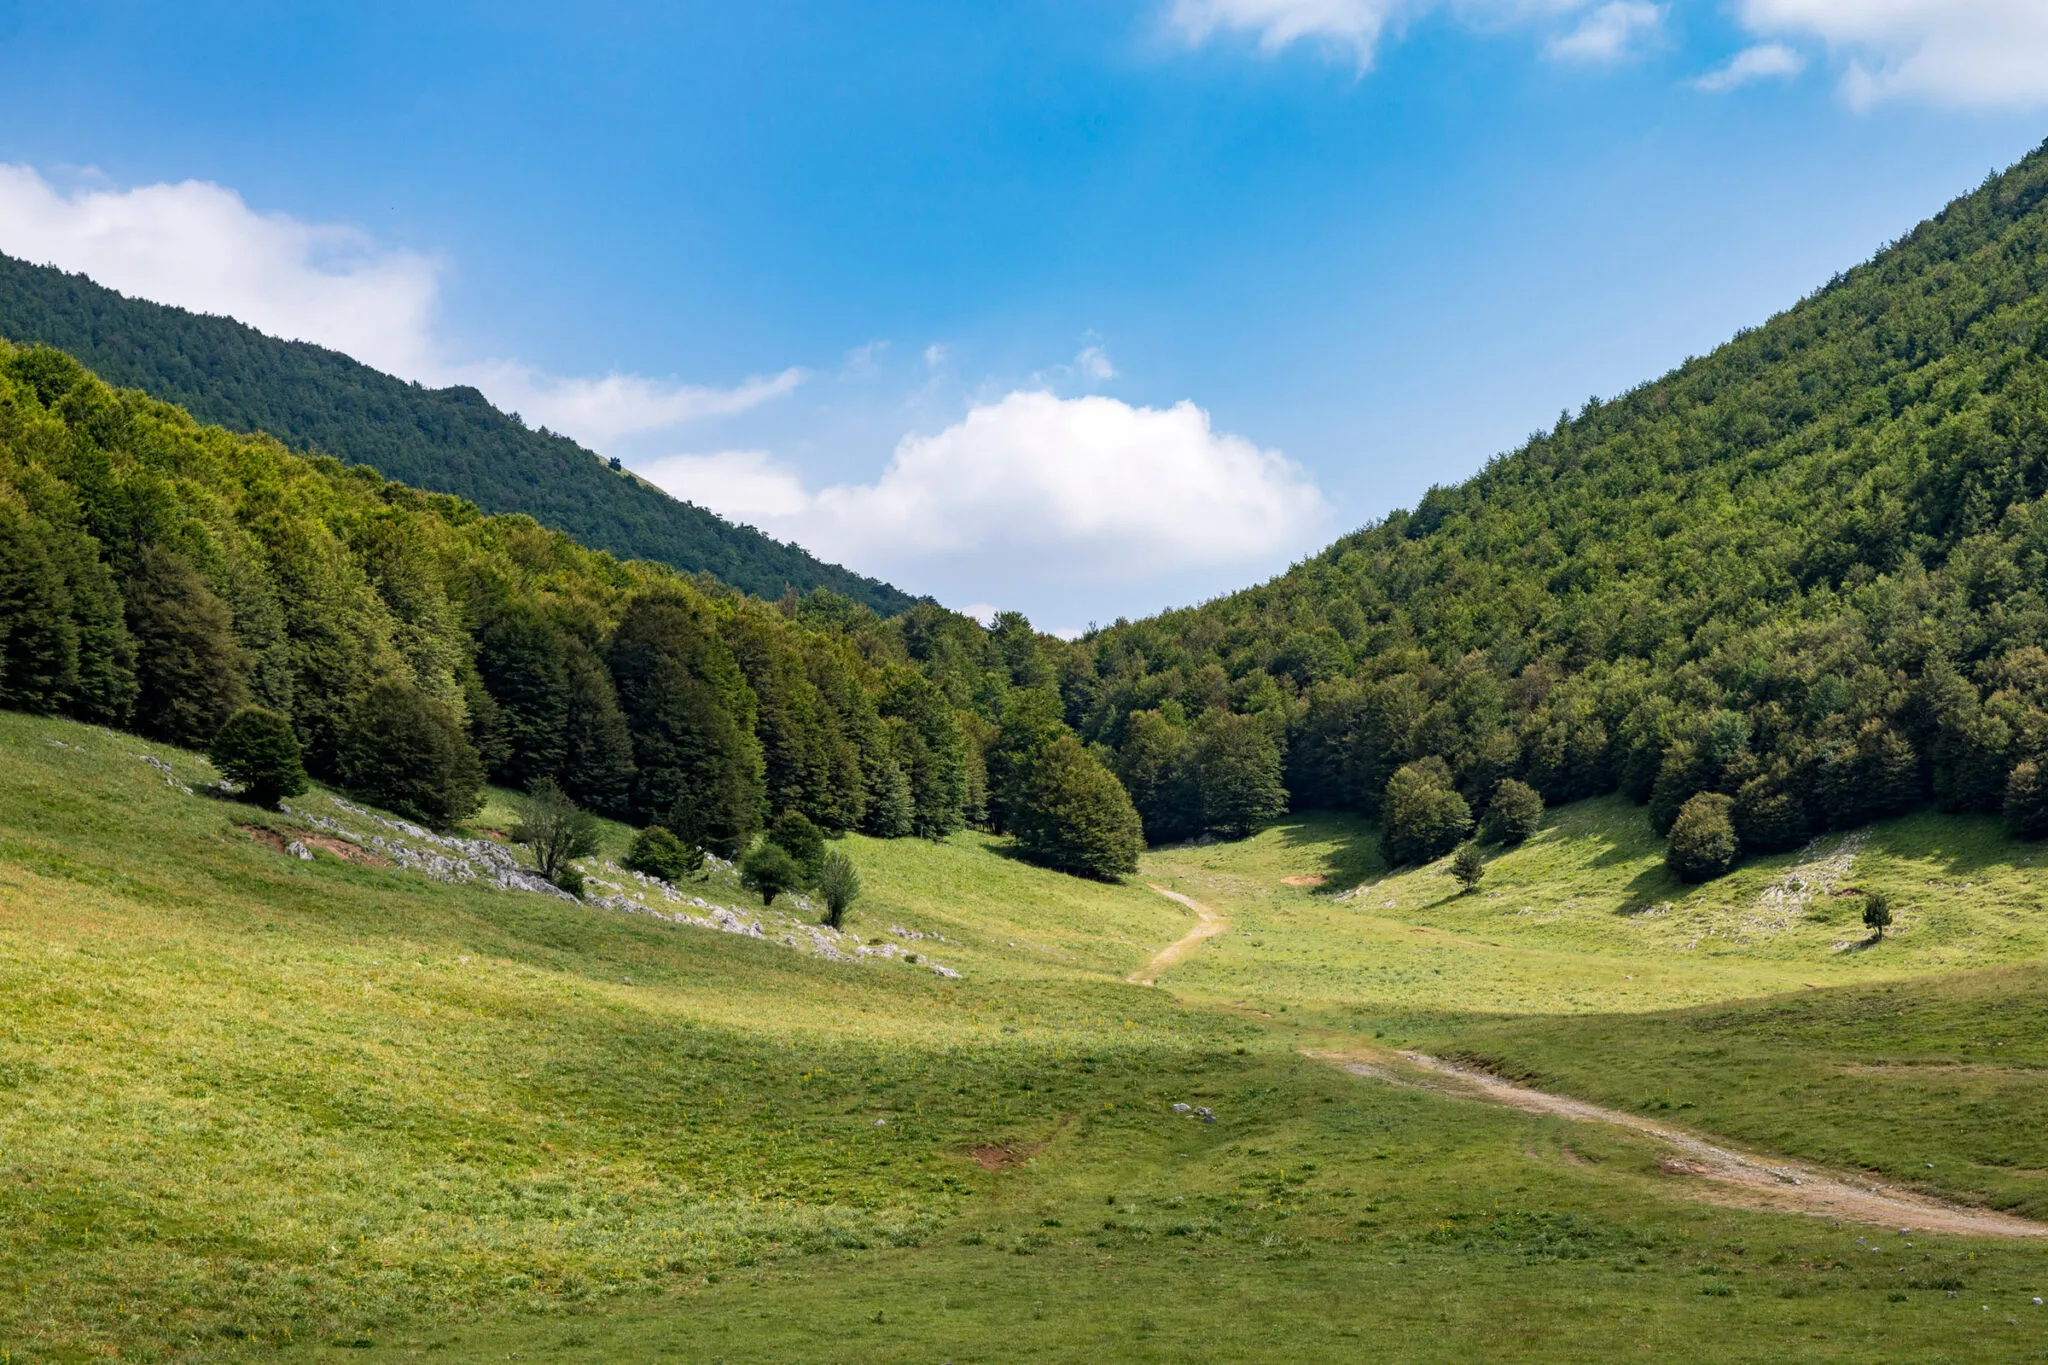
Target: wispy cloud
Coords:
[(1765, 61), (1983, 53), (1611, 33)]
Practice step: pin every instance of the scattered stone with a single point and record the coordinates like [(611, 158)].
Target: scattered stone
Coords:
[(1183, 1108), (299, 851)]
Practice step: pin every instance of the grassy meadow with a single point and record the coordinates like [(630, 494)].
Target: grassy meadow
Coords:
[(256, 1108)]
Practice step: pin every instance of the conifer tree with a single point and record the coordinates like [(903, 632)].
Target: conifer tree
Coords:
[(523, 661), (192, 671), (1072, 814), (930, 752), (597, 745), (38, 639)]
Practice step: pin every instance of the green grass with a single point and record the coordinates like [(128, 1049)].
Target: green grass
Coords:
[(252, 1107)]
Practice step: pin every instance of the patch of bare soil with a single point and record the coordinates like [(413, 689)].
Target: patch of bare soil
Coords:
[(263, 836), (1304, 879), (1724, 1175), (996, 1156), (1209, 924), (344, 850)]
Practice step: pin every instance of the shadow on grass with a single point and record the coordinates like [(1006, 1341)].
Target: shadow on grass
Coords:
[(1349, 847)]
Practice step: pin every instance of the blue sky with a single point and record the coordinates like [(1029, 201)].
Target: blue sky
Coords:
[(1084, 308)]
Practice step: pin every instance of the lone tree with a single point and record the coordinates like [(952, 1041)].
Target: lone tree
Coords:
[(556, 829), (839, 884), (659, 853), (1515, 814), (258, 749), (1075, 816), (408, 753), (1703, 843), (770, 870), (1877, 912), (1422, 817), (802, 840), (1468, 867)]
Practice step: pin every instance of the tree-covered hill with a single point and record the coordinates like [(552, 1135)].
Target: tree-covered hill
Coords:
[(442, 440), (1803, 579)]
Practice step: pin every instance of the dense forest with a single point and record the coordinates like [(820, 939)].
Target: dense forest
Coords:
[(175, 578), (443, 440), (1793, 586)]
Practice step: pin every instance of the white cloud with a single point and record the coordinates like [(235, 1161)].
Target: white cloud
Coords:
[(1355, 28), (1765, 61), (1610, 33), (200, 246), (1093, 362), (935, 355), (1991, 53), (1077, 489)]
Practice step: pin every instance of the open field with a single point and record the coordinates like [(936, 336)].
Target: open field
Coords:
[(252, 1107)]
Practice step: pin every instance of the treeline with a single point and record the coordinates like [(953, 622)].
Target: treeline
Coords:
[(446, 440), (1804, 576), (162, 575)]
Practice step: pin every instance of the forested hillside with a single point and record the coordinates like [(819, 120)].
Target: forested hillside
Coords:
[(1795, 585), (443, 440), (162, 575)]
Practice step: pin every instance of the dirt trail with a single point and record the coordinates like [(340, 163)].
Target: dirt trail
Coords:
[(1210, 924), (1726, 1175)]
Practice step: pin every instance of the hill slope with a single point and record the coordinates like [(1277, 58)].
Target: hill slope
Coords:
[(441, 440), (1804, 572)]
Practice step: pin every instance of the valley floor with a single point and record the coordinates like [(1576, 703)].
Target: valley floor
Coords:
[(256, 1107)]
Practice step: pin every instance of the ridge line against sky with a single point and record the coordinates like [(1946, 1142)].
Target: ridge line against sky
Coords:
[(1222, 308)]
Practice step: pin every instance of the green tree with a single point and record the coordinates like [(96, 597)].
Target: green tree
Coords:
[(802, 840), (1877, 912), (524, 664), (2026, 801), (769, 869), (1031, 720), (38, 639), (408, 753), (259, 749), (1073, 814), (597, 745), (930, 751), (839, 886), (1422, 817), (555, 828), (193, 672), (1237, 768), (1468, 867), (1514, 815), (1156, 766), (659, 853), (1702, 843)]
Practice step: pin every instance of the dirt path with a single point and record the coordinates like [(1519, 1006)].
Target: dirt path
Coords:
[(1717, 1174), (1210, 924)]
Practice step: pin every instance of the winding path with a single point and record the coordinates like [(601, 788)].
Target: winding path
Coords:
[(1209, 924), (1737, 1178)]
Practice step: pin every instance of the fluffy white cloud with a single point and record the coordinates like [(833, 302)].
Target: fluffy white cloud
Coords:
[(1962, 52), (1765, 61), (1077, 489), (1610, 33), (199, 246), (1356, 27)]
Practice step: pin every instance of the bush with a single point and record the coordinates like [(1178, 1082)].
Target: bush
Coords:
[(2026, 802), (770, 870), (556, 829), (659, 853), (1422, 818), (1877, 912), (1703, 844), (407, 753), (1075, 816), (802, 840), (259, 749), (1514, 815), (1468, 867), (839, 884)]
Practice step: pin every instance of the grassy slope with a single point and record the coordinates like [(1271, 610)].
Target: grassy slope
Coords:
[(249, 1103)]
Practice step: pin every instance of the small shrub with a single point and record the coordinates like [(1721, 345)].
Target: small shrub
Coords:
[(1468, 867), (1703, 844), (659, 853), (569, 879), (1877, 912), (1514, 816), (556, 829), (769, 869), (258, 749), (839, 884)]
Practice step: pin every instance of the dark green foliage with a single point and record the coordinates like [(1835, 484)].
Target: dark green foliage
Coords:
[(556, 829), (1468, 867), (797, 836), (597, 746), (659, 853), (258, 749), (2026, 802), (1513, 815), (1703, 844), (192, 670), (524, 665), (1156, 765), (407, 752), (1237, 768), (1422, 817), (1769, 814), (769, 869), (1877, 912), (838, 886), (929, 749), (1073, 814), (448, 440), (1031, 720), (38, 638)]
